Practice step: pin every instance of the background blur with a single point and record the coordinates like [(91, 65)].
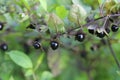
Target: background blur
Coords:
[(73, 60)]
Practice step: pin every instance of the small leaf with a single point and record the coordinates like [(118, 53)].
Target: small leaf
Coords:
[(100, 1), (11, 78), (24, 18), (20, 59), (46, 76), (109, 6), (44, 4), (61, 11), (118, 72), (28, 72), (55, 23), (77, 13), (26, 3), (76, 1), (39, 61)]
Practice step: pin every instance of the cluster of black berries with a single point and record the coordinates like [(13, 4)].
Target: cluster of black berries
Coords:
[(53, 44), (3, 46), (101, 34), (80, 36)]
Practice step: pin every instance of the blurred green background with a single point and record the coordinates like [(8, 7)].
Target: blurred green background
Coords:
[(73, 60)]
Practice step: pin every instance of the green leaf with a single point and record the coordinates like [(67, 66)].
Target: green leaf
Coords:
[(55, 24), (28, 72), (100, 1), (118, 72), (77, 13), (46, 76), (26, 3), (75, 1), (61, 11), (11, 78), (39, 61), (20, 59), (44, 4)]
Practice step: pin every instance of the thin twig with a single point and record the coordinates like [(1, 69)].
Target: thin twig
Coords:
[(113, 53), (85, 25)]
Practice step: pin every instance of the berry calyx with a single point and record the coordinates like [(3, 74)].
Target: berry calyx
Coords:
[(114, 28), (37, 39), (4, 47), (80, 37), (91, 31), (100, 34), (36, 45), (54, 45), (1, 26), (111, 20), (107, 30)]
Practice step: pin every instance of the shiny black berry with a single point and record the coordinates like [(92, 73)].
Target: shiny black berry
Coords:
[(80, 37), (31, 26), (54, 45), (114, 28), (36, 45), (4, 47), (1, 26), (100, 34), (91, 31)]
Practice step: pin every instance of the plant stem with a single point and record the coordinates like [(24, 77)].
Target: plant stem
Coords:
[(34, 77), (39, 61), (113, 53)]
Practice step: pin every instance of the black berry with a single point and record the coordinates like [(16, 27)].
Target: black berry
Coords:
[(114, 28), (100, 34), (4, 47), (80, 37), (31, 26), (91, 31), (36, 45), (1, 26), (54, 45)]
